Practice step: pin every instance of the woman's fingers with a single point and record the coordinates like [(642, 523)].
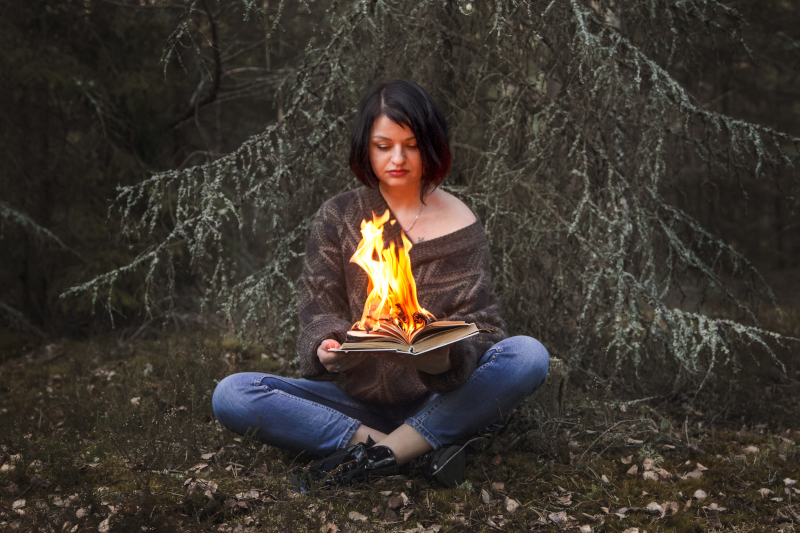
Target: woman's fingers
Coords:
[(337, 361)]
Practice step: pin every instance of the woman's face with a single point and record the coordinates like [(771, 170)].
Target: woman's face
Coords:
[(394, 155)]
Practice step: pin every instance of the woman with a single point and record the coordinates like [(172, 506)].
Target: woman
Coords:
[(371, 413)]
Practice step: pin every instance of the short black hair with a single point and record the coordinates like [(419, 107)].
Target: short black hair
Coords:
[(407, 104)]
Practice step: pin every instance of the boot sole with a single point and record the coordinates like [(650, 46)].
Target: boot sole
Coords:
[(451, 473)]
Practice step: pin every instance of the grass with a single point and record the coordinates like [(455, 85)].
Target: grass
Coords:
[(121, 437)]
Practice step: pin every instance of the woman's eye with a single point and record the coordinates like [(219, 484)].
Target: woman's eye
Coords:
[(382, 147)]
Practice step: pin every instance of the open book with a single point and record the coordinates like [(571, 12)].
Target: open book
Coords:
[(392, 338)]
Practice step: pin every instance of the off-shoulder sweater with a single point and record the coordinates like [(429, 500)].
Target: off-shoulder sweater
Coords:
[(453, 282)]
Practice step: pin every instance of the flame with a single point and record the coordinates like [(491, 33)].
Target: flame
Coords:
[(392, 290)]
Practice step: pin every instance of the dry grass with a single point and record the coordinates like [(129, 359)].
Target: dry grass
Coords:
[(83, 456)]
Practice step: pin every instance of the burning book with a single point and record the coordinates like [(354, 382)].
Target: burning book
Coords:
[(393, 319)]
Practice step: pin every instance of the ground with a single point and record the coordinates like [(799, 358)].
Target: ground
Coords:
[(110, 436)]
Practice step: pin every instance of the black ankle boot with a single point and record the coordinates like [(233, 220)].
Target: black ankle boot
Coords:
[(445, 465), (356, 463)]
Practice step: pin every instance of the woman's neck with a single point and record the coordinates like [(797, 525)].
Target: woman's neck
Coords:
[(400, 200)]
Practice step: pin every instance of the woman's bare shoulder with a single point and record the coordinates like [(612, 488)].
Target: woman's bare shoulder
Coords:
[(456, 210)]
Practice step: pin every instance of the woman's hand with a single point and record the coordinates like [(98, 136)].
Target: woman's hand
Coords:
[(338, 361), (434, 362)]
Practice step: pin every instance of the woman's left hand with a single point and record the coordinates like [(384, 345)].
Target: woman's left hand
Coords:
[(434, 362)]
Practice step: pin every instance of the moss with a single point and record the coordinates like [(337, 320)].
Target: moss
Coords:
[(231, 344), (144, 453)]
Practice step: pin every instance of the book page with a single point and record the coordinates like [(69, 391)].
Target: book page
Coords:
[(373, 343), (444, 338), (432, 336), (435, 327)]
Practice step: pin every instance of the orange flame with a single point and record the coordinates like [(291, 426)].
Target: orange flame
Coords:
[(392, 290)]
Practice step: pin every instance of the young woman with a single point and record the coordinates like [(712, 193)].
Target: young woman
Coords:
[(370, 413)]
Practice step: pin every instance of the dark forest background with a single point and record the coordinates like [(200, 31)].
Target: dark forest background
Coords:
[(96, 94)]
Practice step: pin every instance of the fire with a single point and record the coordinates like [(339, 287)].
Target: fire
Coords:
[(392, 290)]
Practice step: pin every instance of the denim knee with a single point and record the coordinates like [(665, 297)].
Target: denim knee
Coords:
[(525, 361), (228, 396)]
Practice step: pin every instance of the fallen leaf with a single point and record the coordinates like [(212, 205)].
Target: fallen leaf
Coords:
[(604, 479), (485, 498), (693, 473), (330, 527), (605, 510), (19, 504), (398, 500), (356, 516), (670, 508), (631, 530), (653, 508), (634, 441), (573, 445), (134, 401), (585, 529), (700, 467), (104, 526), (688, 505), (564, 501), (663, 474), (715, 507), (386, 493), (558, 518), (626, 460), (497, 460), (406, 514), (80, 513), (498, 485), (632, 471), (789, 482), (648, 464), (510, 505), (751, 449), (765, 492), (668, 447), (39, 481), (207, 456), (650, 476), (700, 495), (776, 500)]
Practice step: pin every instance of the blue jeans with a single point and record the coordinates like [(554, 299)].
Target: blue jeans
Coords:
[(318, 418)]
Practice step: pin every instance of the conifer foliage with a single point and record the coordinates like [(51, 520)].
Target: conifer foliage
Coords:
[(569, 126)]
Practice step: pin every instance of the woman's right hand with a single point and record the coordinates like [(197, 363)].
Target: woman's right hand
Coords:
[(337, 361)]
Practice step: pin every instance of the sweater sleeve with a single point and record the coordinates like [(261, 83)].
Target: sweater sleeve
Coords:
[(482, 307), (322, 304)]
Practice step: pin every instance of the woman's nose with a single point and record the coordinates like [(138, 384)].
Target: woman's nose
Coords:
[(399, 155)]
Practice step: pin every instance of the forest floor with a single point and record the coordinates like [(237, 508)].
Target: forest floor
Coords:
[(121, 437)]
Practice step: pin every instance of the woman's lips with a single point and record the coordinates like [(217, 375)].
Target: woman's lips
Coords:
[(397, 173)]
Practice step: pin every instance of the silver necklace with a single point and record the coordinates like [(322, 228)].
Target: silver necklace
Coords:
[(415, 219)]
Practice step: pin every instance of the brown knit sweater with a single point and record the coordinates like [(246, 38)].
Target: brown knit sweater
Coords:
[(453, 282)]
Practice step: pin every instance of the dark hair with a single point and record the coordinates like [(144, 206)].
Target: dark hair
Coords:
[(407, 104)]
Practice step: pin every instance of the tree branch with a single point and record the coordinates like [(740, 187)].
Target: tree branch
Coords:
[(216, 77)]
